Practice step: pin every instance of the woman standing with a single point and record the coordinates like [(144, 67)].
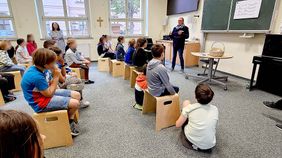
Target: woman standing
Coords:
[(57, 35)]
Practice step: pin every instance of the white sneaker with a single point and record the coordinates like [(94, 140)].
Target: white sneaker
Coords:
[(84, 104)]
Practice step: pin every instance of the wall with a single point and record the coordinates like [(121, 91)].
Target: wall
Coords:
[(243, 50), (26, 20)]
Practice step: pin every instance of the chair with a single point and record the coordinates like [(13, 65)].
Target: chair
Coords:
[(116, 68), (206, 62), (25, 65), (126, 75), (77, 71), (166, 108), (104, 64), (2, 102), (133, 76), (55, 126), (18, 79)]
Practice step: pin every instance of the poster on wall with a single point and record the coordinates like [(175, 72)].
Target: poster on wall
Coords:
[(247, 9)]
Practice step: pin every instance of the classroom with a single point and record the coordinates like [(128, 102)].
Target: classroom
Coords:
[(140, 78)]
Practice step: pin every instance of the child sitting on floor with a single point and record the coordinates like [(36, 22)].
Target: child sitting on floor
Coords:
[(45, 97), (74, 61), (199, 120), (158, 79), (140, 86), (22, 54), (120, 53)]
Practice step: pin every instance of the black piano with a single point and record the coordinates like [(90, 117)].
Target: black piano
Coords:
[(269, 76)]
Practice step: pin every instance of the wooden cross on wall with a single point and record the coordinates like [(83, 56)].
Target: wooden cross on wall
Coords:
[(100, 20)]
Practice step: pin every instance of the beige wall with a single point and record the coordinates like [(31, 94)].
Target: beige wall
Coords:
[(243, 50), (26, 20)]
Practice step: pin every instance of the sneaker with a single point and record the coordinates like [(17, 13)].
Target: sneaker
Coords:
[(84, 104), (269, 104), (138, 107), (279, 126), (172, 69), (74, 129), (181, 71), (89, 82), (8, 99)]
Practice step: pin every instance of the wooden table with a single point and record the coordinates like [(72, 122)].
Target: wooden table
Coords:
[(189, 59), (210, 78)]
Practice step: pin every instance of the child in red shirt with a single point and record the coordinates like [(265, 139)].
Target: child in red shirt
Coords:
[(140, 86), (31, 44)]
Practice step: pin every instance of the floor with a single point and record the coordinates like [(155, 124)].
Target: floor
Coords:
[(110, 127)]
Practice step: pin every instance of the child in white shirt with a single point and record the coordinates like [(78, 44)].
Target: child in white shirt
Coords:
[(22, 54), (199, 120)]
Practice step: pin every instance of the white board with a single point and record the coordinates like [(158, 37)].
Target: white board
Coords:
[(247, 9)]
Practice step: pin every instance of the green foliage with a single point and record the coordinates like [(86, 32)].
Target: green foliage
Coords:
[(118, 7)]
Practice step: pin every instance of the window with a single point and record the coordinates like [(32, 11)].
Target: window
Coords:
[(71, 15), (6, 21), (127, 17)]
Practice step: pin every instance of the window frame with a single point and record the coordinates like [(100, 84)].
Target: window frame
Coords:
[(143, 20), (65, 18), (10, 17)]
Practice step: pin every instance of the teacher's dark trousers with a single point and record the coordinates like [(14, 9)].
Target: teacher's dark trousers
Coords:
[(180, 53)]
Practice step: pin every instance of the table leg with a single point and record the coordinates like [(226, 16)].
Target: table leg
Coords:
[(220, 83), (221, 78), (211, 61), (253, 76), (203, 81)]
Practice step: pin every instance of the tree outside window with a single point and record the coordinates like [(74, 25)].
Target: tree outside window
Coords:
[(126, 17)]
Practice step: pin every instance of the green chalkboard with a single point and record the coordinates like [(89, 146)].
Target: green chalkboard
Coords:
[(262, 23), (216, 14)]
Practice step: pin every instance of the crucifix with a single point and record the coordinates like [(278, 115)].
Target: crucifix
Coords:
[(100, 20)]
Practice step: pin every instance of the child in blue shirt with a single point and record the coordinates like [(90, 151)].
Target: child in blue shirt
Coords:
[(120, 53), (43, 96), (130, 51)]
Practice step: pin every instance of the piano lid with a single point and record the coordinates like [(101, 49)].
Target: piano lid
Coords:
[(273, 46)]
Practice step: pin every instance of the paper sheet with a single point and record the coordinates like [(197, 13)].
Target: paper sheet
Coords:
[(247, 9)]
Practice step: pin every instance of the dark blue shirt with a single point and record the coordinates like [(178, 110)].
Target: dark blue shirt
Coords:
[(129, 55), (67, 69), (179, 40)]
